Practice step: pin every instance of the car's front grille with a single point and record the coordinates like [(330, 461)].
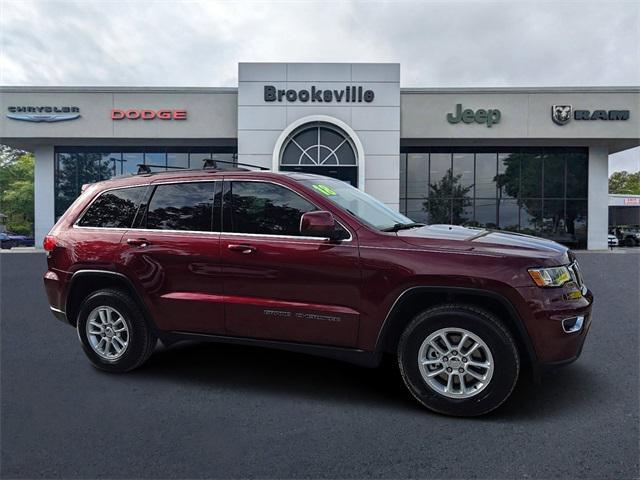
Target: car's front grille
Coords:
[(576, 274)]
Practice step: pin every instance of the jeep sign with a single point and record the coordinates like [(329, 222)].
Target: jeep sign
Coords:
[(482, 116)]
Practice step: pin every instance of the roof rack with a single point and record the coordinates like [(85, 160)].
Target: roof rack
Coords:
[(207, 164), (212, 163)]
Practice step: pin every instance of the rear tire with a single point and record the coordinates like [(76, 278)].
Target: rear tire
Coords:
[(458, 360), (629, 242), (113, 332)]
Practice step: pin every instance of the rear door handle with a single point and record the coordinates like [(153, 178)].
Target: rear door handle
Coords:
[(138, 242), (242, 248)]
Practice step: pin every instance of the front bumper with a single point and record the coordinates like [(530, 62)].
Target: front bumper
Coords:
[(558, 326)]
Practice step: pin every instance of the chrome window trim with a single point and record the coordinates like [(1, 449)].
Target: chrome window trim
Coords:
[(264, 235)]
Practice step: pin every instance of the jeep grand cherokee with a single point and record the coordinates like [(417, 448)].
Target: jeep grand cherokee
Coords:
[(310, 264)]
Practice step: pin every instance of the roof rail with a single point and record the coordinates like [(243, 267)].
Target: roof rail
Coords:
[(212, 163), (207, 164)]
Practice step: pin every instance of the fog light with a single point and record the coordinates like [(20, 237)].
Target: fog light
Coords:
[(573, 324)]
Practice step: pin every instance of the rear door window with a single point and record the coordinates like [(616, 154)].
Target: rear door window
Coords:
[(114, 208), (183, 206)]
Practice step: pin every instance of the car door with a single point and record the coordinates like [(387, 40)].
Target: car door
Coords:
[(279, 285), (174, 254)]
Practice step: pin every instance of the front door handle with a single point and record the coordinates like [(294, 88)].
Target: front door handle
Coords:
[(138, 242), (242, 248)]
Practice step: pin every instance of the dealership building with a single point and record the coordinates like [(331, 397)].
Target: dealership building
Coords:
[(532, 160)]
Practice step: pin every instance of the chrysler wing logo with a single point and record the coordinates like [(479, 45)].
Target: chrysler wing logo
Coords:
[(36, 117), (561, 114), (46, 114)]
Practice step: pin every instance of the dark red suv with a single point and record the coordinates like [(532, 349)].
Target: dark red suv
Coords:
[(310, 264)]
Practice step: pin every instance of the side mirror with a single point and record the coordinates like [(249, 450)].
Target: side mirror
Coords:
[(318, 224)]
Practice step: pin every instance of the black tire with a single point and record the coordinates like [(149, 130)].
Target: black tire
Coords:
[(141, 340), (482, 324), (629, 242)]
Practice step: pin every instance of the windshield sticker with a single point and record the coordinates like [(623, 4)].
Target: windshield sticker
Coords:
[(324, 190)]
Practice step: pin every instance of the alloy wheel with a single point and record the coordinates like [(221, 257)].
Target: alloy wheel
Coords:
[(455, 363)]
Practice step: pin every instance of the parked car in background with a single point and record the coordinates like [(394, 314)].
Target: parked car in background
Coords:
[(10, 240), (613, 240), (311, 264), (6, 242), (628, 236)]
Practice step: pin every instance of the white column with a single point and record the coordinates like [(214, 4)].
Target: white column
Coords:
[(43, 192), (598, 203)]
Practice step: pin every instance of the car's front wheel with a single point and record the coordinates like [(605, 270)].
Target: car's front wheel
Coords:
[(113, 331), (458, 360)]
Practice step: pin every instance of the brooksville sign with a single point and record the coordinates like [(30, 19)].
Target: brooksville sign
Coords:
[(350, 94)]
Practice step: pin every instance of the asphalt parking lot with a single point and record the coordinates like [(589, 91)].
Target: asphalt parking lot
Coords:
[(205, 410)]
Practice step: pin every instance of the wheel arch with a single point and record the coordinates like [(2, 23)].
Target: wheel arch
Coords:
[(416, 299), (84, 282)]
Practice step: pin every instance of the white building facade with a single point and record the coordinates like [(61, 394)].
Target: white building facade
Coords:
[(533, 160)]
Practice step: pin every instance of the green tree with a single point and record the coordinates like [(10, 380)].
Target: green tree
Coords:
[(440, 207), (625, 183), (16, 189)]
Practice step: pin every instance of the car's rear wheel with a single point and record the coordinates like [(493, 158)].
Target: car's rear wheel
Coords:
[(458, 360), (629, 242), (113, 331)]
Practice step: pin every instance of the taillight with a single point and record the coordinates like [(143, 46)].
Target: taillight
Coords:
[(49, 243)]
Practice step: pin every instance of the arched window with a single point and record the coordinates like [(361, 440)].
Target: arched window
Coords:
[(318, 144)]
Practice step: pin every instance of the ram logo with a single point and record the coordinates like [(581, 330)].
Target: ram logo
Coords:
[(561, 114)]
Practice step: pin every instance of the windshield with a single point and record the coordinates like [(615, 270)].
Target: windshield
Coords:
[(358, 203)]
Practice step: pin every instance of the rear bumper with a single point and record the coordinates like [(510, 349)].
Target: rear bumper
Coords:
[(59, 314), (54, 285)]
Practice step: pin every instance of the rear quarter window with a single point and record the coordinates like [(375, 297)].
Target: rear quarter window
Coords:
[(114, 208)]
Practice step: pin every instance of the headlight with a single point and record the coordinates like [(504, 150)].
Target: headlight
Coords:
[(550, 277)]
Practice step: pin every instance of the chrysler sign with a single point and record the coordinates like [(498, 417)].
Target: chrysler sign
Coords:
[(350, 94), (43, 113)]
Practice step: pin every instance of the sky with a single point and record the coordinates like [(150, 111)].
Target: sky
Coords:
[(438, 44)]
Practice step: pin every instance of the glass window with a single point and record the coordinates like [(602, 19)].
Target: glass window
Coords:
[(485, 184), (463, 173), (576, 215), (224, 161), (263, 208), (553, 221), (111, 163), (577, 174), (486, 213), (181, 206), (66, 181), (318, 144), (530, 174), (508, 215), (461, 211), (530, 216), (539, 191), (417, 175), (403, 176), (439, 210), (554, 180), (113, 209), (130, 162), (508, 180), (417, 210), (440, 167), (157, 159), (178, 159)]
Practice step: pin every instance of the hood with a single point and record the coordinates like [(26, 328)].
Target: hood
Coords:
[(455, 237)]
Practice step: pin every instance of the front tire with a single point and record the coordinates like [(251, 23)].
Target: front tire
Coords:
[(113, 332), (458, 360)]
